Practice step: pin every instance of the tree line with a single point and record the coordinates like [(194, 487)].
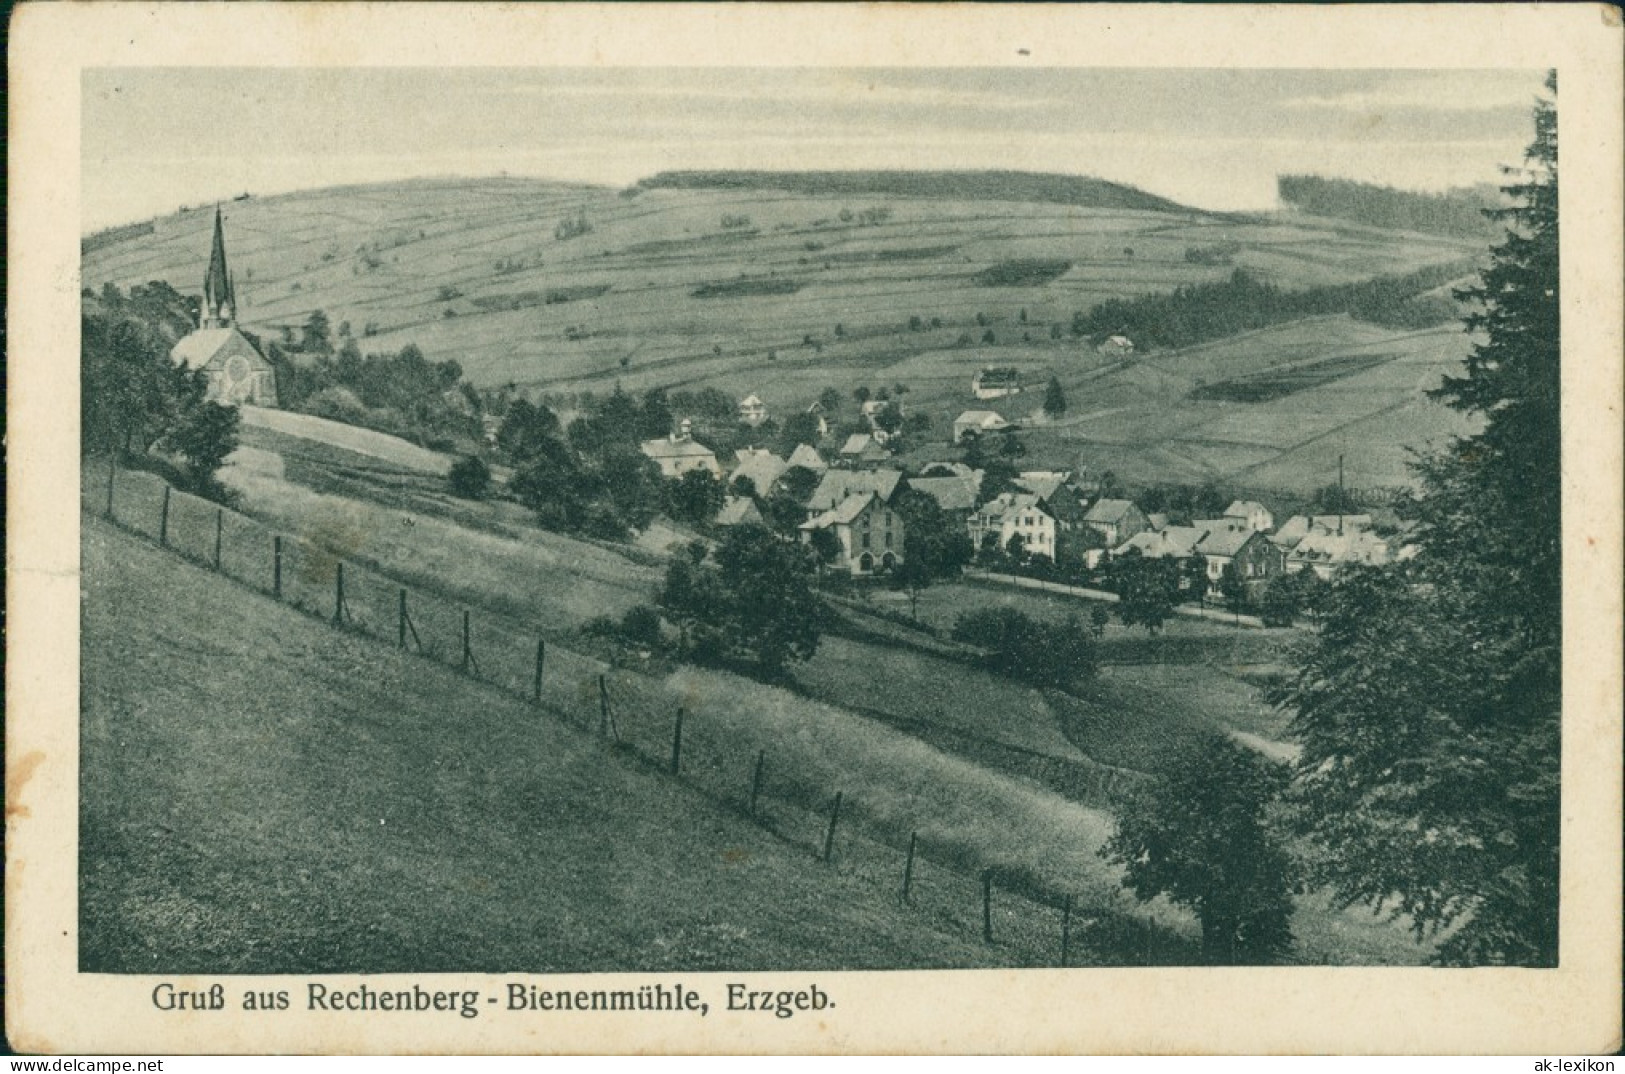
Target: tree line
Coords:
[(1199, 313), (1461, 212)]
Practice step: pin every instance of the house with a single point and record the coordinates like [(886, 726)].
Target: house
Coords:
[(954, 493), (862, 449), (1296, 528), (1012, 515), (1157, 519), (752, 411), (1256, 559), (869, 534), (761, 466), (1254, 514), (738, 511), (974, 423), (838, 485), (679, 453), (946, 469), (1115, 520), (995, 382), (871, 412), (1324, 553), (1170, 542), (805, 455), (1117, 346), (236, 370), (1057, 495), (821, 416)]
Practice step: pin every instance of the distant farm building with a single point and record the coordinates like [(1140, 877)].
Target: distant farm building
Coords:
[(1116, 345), (1116, 521), (237, 371), (974, 423), (679, 453), (1253, 513), (995, 383), (862, 449), (752, 411)]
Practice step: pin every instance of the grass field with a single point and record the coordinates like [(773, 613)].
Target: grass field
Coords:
[(261, 793), (661, 293)]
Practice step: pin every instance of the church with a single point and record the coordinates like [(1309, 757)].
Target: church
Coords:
[(237, 371)]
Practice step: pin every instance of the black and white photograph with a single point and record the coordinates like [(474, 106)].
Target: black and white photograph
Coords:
[(733, 521)]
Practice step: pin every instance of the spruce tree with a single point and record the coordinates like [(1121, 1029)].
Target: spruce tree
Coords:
[(1429, 703)]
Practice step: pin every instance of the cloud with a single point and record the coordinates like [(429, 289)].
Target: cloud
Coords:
[(1456, 91)]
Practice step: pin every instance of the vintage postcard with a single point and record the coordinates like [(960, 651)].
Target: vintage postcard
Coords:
[(814, 528)]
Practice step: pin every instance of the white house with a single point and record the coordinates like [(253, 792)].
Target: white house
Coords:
[(678, 453), (1254, 514), (995, 383), (978, 423), (752, 411), (1010, 515)]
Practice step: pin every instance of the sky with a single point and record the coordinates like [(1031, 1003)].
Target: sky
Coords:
[(153, 139)]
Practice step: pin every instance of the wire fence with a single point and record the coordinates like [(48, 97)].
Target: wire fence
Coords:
[(803, 804)]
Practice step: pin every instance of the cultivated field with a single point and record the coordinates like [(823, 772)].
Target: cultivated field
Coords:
[(668, 288)]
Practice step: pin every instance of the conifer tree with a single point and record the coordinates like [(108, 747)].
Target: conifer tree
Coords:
[(1428, 705)]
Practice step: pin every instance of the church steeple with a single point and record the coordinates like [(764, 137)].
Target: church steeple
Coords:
[(219, 298)]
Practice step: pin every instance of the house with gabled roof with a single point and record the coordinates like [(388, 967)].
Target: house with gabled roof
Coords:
[(1326, 553), (973, 423), (995, 382), (679, 453), (1255, 557), (868, 533), (862, 449), (738, 511), (955, 493), (1170, 542), (805, 455), (1254, 514), (752, 411), (836, 485), (1115, 520), (760, 466), (1012, 515)]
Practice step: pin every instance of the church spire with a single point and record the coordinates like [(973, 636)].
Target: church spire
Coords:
[(219, 301)]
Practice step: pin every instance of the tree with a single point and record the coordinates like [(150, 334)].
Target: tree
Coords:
[(935, 546), (470, 478), (758, 605), (204, 436), (861, 394), (1428, 705), (1147, 590), (317, 337), (527, 430), (830, 400), (1054, 398), (696, 497), (654, 417), (799, 428), (1098, 618), (1280, 604), (1020, 647), (1201, 835), (1233, 587), (889, 418)]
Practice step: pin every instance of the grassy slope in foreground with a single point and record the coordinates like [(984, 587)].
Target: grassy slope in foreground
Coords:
[(261, 793)]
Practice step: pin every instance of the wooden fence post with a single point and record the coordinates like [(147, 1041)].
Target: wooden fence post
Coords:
[(541, 654), (829, 836), (163, 521), (400, 624), (338, 595), (468, 648), (1066, 931), (908, 866), (276, 567), (677, 743), (112, 472), (987, 905), (219, 528), (603, 708), (756, 780)]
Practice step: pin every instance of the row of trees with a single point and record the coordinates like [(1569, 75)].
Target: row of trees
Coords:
[(138, 406)]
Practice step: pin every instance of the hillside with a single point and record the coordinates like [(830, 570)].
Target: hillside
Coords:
[(329, 805), (1077, 190), (560, 288)]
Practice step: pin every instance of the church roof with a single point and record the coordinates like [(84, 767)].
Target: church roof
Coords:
[(197, 349)]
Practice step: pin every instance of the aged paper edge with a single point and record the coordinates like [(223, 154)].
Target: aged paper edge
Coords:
[(51, 1007)]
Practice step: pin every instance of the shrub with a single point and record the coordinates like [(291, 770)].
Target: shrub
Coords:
[(641, 625), (470, 478)]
